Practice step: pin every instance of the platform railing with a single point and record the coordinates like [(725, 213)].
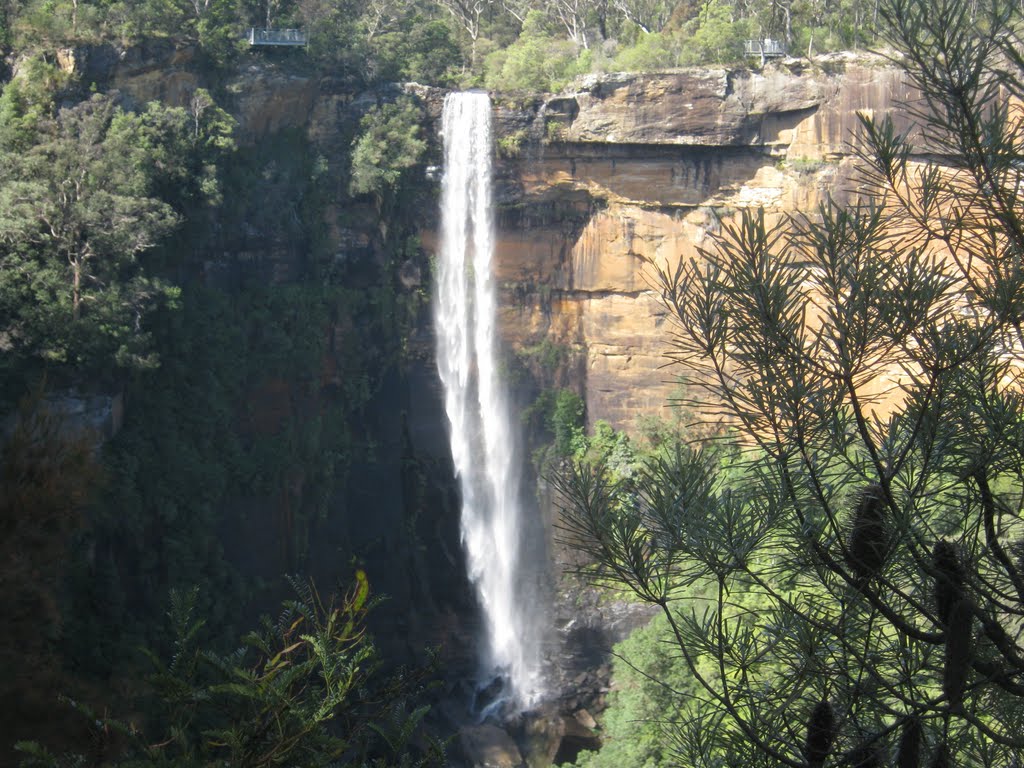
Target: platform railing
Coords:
[(259, 36), (766, 48)]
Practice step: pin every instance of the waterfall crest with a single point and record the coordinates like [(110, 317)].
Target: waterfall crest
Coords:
[(483, 441)]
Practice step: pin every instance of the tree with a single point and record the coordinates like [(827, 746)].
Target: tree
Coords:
[(334, 38), (649, 15), (186, 149), (572, 14), (89, 194), (853, 593), (76, 214), (467, 13), (388, 145), (212, 23), (717, 35), (538, 61), (409, 42)]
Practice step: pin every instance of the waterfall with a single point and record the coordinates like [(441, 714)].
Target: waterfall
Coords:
[(483, 440)]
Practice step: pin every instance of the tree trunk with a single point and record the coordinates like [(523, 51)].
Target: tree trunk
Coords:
[(76, 288)]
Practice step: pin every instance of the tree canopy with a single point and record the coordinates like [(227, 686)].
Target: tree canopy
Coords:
[(76, 214), (454, 41), (87, 195)]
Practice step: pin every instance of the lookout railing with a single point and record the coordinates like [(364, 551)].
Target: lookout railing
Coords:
[(259, 36), (765, 49)]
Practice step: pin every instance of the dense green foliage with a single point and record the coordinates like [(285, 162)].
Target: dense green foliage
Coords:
[(388, 144), (505, 44), (145, 257), (77, 213), (850, 592), (539, 59), (558, 414), (649, 682), (239, 417), (87, 193), (301, 690)]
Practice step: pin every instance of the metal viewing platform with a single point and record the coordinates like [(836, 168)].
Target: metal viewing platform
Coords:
[(277, 36), (765, 49)]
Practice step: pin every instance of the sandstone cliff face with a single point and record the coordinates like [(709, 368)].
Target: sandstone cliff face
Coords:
[(263, 96), (621, 174), (630, 173)]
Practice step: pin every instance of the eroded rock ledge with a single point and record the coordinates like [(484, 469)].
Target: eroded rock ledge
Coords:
[(628, 172)]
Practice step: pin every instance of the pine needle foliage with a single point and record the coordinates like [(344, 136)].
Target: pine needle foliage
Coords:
[(853, 595)]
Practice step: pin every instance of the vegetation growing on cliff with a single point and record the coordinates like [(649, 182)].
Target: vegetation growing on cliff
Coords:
[(878, 539), (508, 44), (145, 257), (88, 193), (388, 144)]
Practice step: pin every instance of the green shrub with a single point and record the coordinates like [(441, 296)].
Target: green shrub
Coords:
[(651, 51), (388, 143), (717, 36), (561, 413), (806, 165), (511, 145), (567, 421), (537, 61)]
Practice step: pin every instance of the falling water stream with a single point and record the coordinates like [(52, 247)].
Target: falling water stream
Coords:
[(483, 440)]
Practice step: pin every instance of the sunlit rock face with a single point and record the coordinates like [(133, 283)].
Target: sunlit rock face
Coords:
[(630, 173), (783, 108)]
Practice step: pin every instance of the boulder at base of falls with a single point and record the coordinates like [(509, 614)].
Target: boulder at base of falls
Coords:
[(488, 746), (551, 737)]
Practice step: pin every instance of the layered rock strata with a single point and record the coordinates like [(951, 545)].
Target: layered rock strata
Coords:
[(630, 173)]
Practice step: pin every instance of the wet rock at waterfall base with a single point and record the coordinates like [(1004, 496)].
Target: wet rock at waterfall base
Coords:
[(586, 719), (551, 737), (491, 700), (575, 738), (488, 746)]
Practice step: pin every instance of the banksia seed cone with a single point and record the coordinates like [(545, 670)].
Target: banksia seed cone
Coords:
[(866, 756), (821, 731), (949, 579), (959, 638), (942, 758), (1018, 552), (869, 539), (909, 753)]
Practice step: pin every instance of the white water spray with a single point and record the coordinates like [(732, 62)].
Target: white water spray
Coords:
[(482, 439)]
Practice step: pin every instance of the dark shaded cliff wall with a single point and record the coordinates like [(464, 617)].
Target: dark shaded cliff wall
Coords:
[(290, 231)]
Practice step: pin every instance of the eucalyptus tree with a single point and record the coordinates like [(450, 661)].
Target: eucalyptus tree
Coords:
[(649, 15), (572, 16), (851, 590), (468, 14), (90, 197), (77, 214)]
